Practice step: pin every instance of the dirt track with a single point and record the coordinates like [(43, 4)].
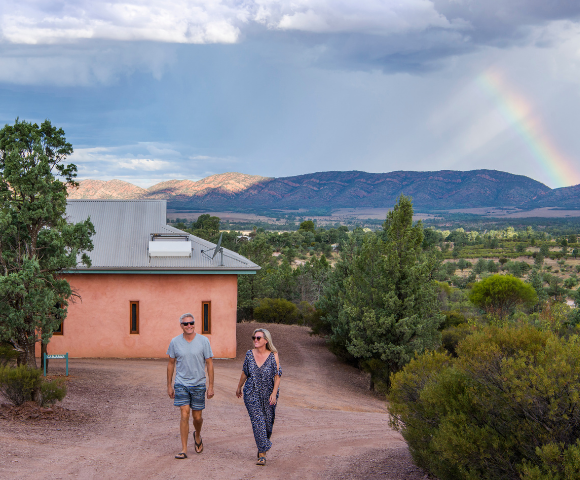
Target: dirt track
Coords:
[(123, 425)]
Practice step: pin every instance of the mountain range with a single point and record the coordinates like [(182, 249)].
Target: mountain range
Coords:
[(438, 190)]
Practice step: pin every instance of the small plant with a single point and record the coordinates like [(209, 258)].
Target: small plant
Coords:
[(24, 384), (20, 384), (52, 391), (8, 353)]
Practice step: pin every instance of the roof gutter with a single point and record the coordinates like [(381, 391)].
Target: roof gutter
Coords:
[(149, 271)]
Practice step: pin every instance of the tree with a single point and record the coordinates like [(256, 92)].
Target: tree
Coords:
[(36, 242), (390, 309), (501, 294), (253, 287), (308, 226), (462, 264), (205, 226)]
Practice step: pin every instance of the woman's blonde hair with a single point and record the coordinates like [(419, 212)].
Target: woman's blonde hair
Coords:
[(269, 344)]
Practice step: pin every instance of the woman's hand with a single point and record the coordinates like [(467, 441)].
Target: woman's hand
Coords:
[(273, 398), (239, 392)]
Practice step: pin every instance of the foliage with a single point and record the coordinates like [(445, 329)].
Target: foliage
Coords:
[(452, 336), (253, 287), (20, 384), (23, 384), (308, 226), (52, 391), (276, 310), (501, 294), (206, 227), (36, 242), (8, 353), (386, 307), (506, 408)]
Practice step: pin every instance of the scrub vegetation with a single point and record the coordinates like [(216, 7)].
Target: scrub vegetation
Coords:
[(472, 335)]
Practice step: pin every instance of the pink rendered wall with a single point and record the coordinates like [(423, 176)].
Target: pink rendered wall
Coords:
[(98, 326)]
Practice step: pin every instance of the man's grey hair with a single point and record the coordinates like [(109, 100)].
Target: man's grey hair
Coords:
[(185, 315)]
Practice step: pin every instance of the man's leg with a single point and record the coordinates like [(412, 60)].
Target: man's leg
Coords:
[(184, 426), (197, 423)]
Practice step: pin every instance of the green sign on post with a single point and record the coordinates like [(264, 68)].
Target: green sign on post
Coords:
[(65, 356)]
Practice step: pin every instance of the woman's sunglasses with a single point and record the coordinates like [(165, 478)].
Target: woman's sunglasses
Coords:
[(185, 324), (257, 338)]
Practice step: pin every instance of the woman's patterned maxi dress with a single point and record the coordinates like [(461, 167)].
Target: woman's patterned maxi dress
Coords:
[(257, 391)]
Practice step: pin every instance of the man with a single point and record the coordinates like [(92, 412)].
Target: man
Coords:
[(189, 354)]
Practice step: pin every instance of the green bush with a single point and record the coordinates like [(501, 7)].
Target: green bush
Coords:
[(20, 384), (52, 391), (452, 319), (506, 408), (450, 337), (277, 310), (7, 353), (23, 384)]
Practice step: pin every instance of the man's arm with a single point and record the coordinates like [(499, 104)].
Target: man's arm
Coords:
[(170, 370), (209, 365)]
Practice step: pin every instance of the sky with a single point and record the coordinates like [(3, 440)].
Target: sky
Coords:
[(150, 90)]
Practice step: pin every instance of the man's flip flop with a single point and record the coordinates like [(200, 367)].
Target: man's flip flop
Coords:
[(181, 456), (261, 461), (198, 445)]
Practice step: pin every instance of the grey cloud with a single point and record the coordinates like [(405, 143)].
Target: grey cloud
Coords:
[(82, 63)]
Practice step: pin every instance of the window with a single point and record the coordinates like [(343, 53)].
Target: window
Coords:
[(134, 318), (206, 317), (60, 329)]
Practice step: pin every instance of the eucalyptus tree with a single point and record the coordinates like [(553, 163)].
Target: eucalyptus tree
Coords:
[(36, 242)]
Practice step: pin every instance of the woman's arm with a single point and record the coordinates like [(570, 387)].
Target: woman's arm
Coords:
[(243, 379), (276, 381)]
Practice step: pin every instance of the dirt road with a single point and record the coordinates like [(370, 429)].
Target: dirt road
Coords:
[(122, 425)]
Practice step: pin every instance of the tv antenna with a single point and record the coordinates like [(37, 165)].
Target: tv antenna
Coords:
[(218, 248)]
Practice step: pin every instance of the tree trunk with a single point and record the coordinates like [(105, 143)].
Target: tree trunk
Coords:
[(29, 354)]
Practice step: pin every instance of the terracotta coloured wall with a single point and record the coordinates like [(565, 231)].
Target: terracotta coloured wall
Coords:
[(99, 325)]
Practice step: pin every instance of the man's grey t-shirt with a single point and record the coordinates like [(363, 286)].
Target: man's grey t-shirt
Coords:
[(190, 359)]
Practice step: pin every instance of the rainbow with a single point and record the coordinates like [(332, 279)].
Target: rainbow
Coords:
[(519, 114)]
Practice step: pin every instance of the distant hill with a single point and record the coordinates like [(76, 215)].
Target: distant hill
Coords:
[(445, 189), (565, 197)]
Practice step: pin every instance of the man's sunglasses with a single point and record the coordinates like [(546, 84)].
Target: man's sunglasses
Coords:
[(187, 323), (257, 338)]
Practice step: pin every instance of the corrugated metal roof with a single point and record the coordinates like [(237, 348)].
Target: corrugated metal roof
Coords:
[(124, 228)]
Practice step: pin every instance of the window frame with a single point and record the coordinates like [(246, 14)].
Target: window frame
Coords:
[(60, 330), (203, 329), (131, 331)]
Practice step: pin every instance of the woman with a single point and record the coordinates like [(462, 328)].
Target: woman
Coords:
[(261, 374)]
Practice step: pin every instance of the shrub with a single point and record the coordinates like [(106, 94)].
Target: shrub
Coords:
[(452, 319), (500, 294), (276, 310), (505, 408), (20, 384), (7, 353), (52, 391), (450, 337), (23, 384)]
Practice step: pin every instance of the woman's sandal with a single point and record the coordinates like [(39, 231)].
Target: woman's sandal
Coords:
[(261, 461), (181, 456), (198, 445)]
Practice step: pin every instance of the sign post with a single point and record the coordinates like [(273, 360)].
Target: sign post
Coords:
[(65, 356)]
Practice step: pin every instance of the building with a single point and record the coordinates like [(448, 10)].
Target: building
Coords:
[(144, 275)]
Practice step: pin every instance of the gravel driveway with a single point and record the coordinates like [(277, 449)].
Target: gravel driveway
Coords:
[(120, 424)]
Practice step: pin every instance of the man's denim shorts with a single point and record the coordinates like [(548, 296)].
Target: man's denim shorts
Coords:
[(192, 396)]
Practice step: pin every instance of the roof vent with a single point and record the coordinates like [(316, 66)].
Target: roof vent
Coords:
[(169, 245)]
